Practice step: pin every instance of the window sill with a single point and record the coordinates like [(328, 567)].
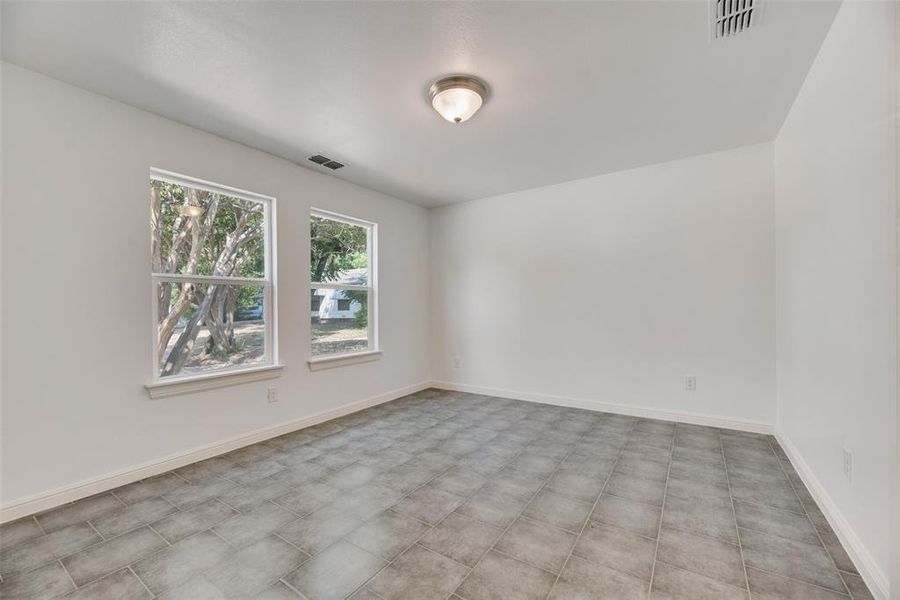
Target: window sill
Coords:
[(199, 383), (342, 360)]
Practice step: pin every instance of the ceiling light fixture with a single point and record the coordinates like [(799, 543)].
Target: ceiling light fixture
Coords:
[(457, 98)]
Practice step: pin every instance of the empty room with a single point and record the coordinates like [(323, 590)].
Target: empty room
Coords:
[(450, 300)]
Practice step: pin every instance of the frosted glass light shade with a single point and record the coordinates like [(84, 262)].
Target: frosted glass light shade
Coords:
[(457, 98)]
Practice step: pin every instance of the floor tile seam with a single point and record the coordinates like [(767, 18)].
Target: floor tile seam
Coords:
[(794, 579), (526, 505), (524, 562), (737, 529), (808, 518), (416, 541), (820, 545), (696, 572), (126, 566), (591, 511), (696, 533), (132, 571), (69, 575), (661, 513), (770, 507)]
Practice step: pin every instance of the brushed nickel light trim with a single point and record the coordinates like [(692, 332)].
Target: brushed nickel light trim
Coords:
[(451, 97)]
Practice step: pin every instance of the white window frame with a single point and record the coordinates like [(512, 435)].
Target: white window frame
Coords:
[(178, 384), (373, 351)]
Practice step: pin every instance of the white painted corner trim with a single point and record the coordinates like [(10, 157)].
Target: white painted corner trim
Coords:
[(53, 498), (620, 409), (211, 381), (868, 569)]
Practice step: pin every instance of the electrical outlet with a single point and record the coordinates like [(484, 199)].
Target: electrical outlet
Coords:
[(690, 383), (848, 465), (457, 362), (272, 394)]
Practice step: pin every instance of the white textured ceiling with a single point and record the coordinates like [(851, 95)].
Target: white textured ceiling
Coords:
[(577, 89)]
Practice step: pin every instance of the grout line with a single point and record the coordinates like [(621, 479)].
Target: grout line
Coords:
[(587, 521), (150, 527), (808, 518), (734, 515), (40, 527), (152, 595), (102, 537), (69, 575), (662, 510)]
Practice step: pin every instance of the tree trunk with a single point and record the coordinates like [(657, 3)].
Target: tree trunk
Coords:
[(182, 349), (218, 339)]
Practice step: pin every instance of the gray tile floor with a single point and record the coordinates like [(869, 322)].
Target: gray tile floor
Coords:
[(447, 495)]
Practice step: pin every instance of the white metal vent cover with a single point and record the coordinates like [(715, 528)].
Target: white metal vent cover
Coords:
[(731, 17)]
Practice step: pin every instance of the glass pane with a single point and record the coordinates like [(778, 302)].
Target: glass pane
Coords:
[(340, 321), (202, 233), (206, 327), (338, 252)]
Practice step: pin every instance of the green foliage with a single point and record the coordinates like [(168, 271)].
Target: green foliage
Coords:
[(335, 247), (360, 297)]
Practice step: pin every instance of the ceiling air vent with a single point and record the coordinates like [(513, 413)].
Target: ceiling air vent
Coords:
[(730, 17), (326, 162)]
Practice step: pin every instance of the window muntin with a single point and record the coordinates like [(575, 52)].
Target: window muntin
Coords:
[(212, 273), (342, 280)]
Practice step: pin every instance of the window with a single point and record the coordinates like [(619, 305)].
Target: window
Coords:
[(212, 273), (316, 304), (342, 275)]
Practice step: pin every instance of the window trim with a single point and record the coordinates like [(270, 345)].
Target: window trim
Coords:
[(373, 351), (159, 387)]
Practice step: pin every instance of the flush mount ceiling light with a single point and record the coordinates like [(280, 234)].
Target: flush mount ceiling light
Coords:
[(457, 98)]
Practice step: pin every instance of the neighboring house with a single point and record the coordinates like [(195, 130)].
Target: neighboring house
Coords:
[(334, 304)]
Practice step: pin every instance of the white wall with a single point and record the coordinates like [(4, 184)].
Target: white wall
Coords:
[(611, 289), (77, 292), (836, 266)]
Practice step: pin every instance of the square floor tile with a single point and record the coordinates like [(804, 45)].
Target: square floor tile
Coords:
[(119, 585), (463, 539), (111, 555), (637, 517), (428, 504), (254, 568), (804, 562), (497, 576), (617, 549), (131, 517), (670, 583), (767, 586), (388, 534), (180, 525), (39, 551), (536, 543), (50, 581), (177, 563), (707, 556), (335, 573), (561, 511), (418, 574), (713, 517), (581, 580), (647, 491), (776, 522)]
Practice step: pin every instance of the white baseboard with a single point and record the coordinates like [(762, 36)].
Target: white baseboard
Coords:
[(868, 569), (76, 491), (621, 409)]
